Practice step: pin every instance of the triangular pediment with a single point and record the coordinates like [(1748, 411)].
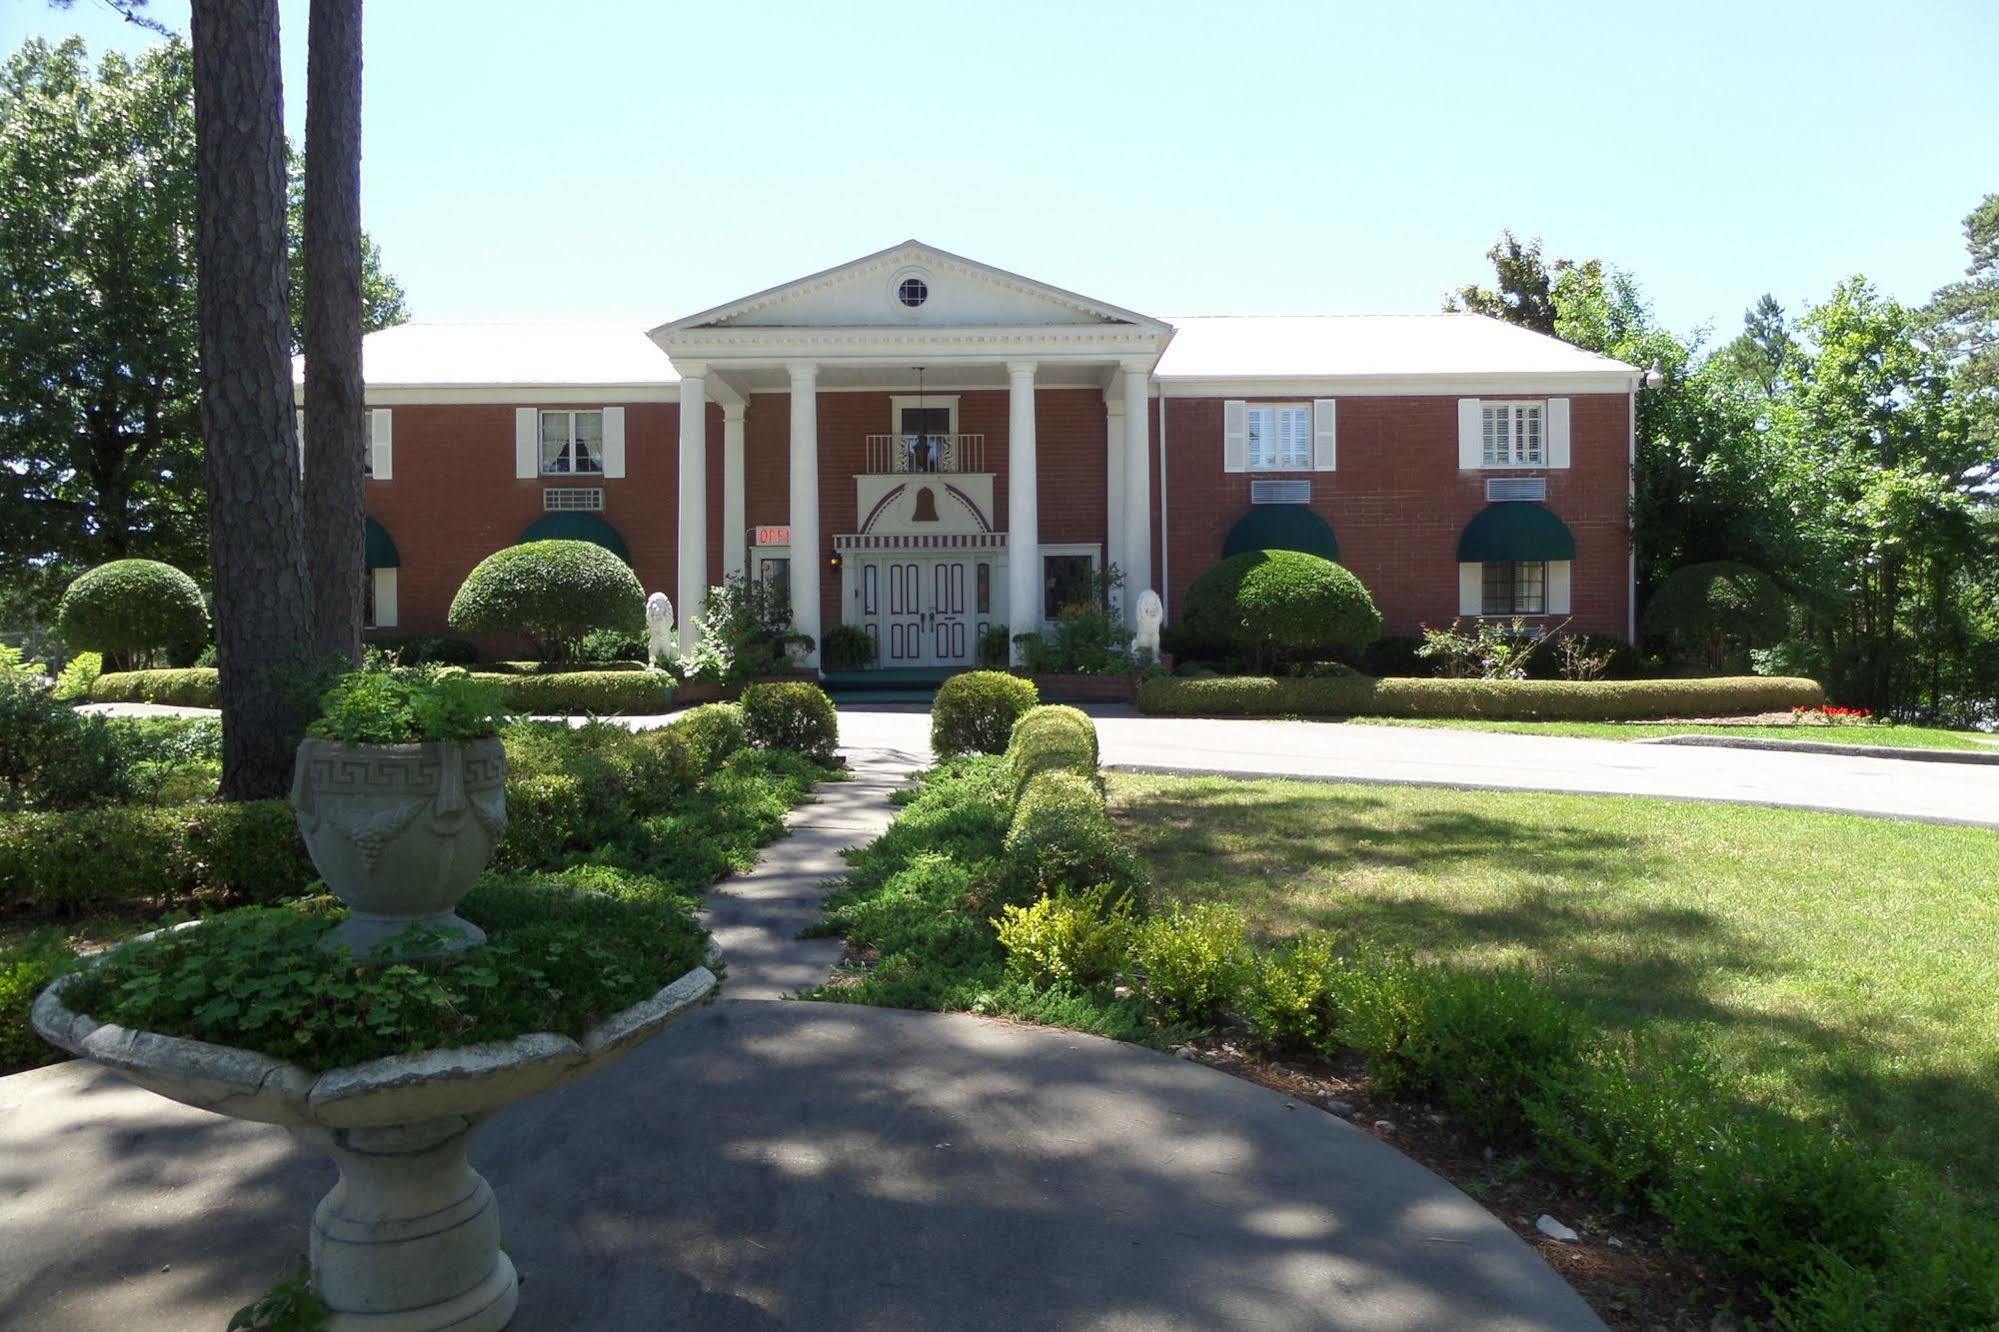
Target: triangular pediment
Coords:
[(954, 292)]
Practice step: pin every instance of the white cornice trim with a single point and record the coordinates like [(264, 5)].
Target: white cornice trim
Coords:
[(523, 395), (980, 342), (898, 256), (1369, 386)]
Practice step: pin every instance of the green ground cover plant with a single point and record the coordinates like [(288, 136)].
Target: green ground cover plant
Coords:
[(256, 978), (652, 816)]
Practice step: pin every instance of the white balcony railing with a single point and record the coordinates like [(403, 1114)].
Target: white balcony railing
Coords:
[(892, 454)]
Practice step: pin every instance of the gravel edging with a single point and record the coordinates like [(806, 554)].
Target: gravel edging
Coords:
[(1826, 747)]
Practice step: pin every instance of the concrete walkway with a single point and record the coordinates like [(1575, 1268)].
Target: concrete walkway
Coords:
[(789, 1165), (1438, 756)]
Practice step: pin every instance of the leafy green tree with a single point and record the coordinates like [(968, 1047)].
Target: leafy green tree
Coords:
[(1522, 292), (1891, 545), (1964, 317), (1764, 348), (99, 424)]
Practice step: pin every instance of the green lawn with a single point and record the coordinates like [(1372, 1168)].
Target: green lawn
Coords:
[(1849, 966), (1885, 737)]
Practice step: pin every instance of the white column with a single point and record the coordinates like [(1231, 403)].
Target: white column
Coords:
[(805, 504), (1114, 484), (1137, 488), (1023, 537), (732, 489), (693, 581)]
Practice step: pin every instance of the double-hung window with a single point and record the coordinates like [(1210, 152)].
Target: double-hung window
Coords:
[(572, 443), (1280, 437), (1512, 434), (1517, 588)]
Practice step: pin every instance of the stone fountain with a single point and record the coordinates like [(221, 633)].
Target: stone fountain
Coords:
[(409, 1239)]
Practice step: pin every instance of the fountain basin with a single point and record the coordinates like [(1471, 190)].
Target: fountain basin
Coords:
[(409, 1239)]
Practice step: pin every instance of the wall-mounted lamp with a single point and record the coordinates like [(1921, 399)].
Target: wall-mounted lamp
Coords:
[(1652, 378), (833, 560)]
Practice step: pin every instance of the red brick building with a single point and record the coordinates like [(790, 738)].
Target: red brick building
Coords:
[(891, 436)]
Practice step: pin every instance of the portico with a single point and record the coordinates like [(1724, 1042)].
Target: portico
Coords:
[(938, 410)]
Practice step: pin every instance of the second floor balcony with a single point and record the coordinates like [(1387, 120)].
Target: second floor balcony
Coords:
[(890, 455)]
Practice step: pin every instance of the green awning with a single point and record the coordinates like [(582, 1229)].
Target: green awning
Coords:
[(577, 527), (1506, 533), (1282, 527), (382, 548)]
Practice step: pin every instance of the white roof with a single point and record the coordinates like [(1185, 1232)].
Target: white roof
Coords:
[(1355, 346), (1204, 348), (580, 354)]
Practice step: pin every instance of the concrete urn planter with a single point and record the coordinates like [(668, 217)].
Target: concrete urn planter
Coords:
[(400, 832), (409, 1239)]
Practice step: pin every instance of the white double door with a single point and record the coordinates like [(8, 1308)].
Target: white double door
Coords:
[(926, 611)]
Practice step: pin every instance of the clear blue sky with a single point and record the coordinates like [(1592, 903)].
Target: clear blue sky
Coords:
[(639, 159)]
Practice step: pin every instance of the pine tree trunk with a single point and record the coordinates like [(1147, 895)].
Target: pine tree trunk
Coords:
[(256, 539), (335, 433)]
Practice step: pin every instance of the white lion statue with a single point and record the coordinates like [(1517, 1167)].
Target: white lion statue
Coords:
[(1151, 613), (660, 646)]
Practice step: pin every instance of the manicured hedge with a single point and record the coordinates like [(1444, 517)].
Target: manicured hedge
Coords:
[(975, 712), (1495, 700), (1062, 839), (133, 606), (554, 592), (558, 667), (791, 715), (194, 687), (605, 693), (172, 854), (1051, 738)]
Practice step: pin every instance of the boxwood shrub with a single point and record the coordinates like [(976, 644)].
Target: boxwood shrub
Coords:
[(1062, 838), (715, 730), (193, 687), (66, 861), (133, 608), (1051, 738), (553, 592), (793, 715), (974, 712), (1282, 605), (603, 693), (1495, 700)]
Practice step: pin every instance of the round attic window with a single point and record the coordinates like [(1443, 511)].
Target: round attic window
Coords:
[(912, 291)]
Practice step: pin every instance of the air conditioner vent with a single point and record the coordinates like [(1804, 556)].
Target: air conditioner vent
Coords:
[(571, 498), (1280, 492), (1498, 488)]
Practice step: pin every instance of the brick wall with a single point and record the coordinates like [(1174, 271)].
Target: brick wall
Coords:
[(1398, 502)]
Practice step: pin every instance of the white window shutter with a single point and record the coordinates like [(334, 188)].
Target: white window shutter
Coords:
[(614, 442), (527, 443), (1558, 587), (1235, 435), (1471, 589), (298, 423), (1325, 435), (385, 598), (1471, 450), (381, 444), (1558, 432)]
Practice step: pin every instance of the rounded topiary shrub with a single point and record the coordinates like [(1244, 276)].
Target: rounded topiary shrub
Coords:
[(1052, 738), (130, 610), (793, 715), (975, 712), (553, 592), (1279, 605), (1718, 610)]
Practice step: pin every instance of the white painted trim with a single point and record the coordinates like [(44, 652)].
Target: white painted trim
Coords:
[(1235, 436), (1471, 589), (381, 444), (539, 395), (1555, 590), (385, 599), (1325, 435), (1388, 386), (613, 458), (1555, 428), (898, 401), (527, 443)]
